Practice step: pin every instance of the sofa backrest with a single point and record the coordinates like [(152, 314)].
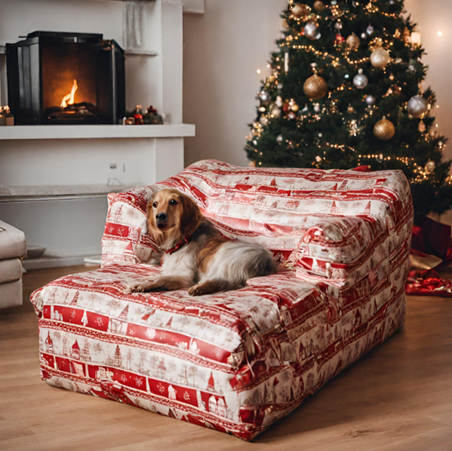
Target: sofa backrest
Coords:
[(251, 202), (279, 208)]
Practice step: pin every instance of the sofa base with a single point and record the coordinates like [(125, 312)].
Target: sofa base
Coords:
[(11, 294)]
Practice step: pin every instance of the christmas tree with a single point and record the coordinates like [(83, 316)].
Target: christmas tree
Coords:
[(346, 91)]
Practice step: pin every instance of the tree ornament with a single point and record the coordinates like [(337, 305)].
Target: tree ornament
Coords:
[(285, 25), (315, 87), (384, 129), (279, 102), (319, 6), (430, 166), (264, 120), (380, 58), (291, 115), (370, 30), (370, 100), (363, 35), (279, 139), (339, 39), (300, 11), (311, 30), (265, 98), (276, 112), (338, 25), (353, 42), (350, 109), (360, 81), (417, 106), (317, 108), (293, 106)]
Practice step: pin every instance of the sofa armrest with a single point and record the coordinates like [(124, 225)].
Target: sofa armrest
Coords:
[(125, 237)]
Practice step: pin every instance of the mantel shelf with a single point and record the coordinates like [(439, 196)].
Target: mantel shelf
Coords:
[(26, 132)]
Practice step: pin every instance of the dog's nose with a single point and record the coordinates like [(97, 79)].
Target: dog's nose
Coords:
[(161, 217)]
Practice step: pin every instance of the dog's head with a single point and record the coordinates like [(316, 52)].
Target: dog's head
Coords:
[(172, 216)]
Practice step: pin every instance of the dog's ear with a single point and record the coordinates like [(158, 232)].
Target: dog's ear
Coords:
[(153, 230), (191, 216)]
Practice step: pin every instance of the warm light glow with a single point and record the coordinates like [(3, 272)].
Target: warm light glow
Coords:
[(258, 71), (69, 99), (440, 33), (415, 38)]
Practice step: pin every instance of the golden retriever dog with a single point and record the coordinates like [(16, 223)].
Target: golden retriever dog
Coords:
[(195, 256)]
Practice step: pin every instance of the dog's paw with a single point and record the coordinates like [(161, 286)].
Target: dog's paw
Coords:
[(137, 287), (196, 290)]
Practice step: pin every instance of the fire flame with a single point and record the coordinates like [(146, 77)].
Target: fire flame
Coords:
[(69, 99)]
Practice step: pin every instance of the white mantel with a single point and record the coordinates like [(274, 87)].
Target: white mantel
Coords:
[(94, 154)]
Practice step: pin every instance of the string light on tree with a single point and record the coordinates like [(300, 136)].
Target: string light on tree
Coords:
[(364, 92)]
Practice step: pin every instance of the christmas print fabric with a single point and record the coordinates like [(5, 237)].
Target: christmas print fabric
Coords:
[(240, 360)]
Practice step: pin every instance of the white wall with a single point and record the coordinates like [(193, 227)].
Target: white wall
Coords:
[(224, 47), (222, 50)]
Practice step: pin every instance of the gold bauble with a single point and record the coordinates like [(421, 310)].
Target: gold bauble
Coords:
[(299, 11), (319, 6), (380, 57), (384, 129), (430, 166), (294, 107), (353, 42), (315, 87)]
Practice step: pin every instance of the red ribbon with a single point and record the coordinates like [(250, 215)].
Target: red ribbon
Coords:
[(428, 283)]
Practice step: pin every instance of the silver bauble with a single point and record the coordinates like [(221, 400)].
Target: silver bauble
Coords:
[(279, 102), (380, 57), (363, 35), (370, 100), (317, 108), (417, 106), (279, 139), (369, 30), (360, 81), (311, 30), (264, 120), (265, 97)]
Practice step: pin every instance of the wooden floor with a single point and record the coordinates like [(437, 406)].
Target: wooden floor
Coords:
[(398, 397)]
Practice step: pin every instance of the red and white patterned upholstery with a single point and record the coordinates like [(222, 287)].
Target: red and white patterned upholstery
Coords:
[(237, 361)]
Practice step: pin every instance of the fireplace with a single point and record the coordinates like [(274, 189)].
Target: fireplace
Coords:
[(66, 78)]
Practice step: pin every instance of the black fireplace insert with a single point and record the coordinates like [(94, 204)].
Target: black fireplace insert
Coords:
[(66, 78)]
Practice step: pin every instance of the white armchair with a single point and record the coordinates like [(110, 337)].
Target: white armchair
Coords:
[(12, 247)]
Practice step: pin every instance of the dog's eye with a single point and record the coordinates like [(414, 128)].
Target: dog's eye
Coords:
[(154, 204), (172, 202)]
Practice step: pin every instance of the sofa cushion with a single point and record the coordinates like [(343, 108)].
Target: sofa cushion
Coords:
[(12, 242), (10, 270)]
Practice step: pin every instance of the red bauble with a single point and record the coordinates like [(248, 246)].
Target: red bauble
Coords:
[(339, 39), (286, 107)]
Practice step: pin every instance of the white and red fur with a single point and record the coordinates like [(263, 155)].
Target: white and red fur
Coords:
[(208, 263)]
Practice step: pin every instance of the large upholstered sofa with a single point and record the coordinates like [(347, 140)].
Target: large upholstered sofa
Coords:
[(236, 361)]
